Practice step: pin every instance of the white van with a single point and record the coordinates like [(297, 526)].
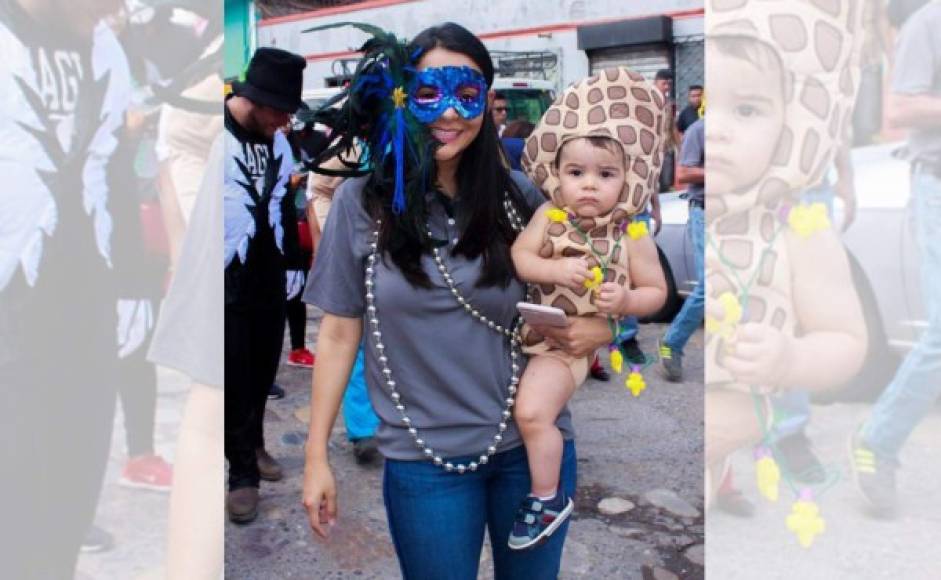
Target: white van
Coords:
[(316, 97)]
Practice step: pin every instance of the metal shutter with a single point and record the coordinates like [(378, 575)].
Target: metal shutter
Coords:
[(690, 67), (646, 60)]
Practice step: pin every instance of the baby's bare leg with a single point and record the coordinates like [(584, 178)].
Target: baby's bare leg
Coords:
[(545, 387), (731, 423)]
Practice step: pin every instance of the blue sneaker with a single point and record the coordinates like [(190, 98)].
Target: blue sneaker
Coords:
[(536, 520)]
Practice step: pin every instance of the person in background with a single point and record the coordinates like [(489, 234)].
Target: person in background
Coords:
[(296, 309), (500, 111), (690, 317), (262, 265), (690, 113), (66, 288), (663, 80), (513, 139), (915, 104)]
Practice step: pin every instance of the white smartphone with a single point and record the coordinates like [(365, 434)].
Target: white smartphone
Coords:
[(537, 314)]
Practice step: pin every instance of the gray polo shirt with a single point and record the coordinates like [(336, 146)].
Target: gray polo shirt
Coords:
[(451, 370), (918, 72), (693, 154)]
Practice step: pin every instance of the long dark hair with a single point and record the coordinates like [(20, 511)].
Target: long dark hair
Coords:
[(482, 179)]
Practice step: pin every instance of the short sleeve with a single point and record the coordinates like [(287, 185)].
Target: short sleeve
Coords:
[(691, 153), (532, 194), (336, 284), (915, 58)]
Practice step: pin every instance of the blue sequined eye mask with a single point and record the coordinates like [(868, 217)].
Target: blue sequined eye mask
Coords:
[(435, 90)]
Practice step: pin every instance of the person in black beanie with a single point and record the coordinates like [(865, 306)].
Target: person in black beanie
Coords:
[(263, 266)]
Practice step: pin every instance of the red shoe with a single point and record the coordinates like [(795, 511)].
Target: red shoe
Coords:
[(301, 358), (147, 472)]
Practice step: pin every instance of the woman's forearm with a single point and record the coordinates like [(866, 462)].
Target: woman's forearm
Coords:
[(337, 344)]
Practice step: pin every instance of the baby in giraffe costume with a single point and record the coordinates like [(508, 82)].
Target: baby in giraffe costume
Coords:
[(596, 155), (782, 309)]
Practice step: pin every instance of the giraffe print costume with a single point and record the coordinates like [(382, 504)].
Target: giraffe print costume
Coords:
[(619, 104), (818, 43)]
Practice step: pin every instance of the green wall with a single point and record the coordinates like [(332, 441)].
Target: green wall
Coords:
[(238, 37)]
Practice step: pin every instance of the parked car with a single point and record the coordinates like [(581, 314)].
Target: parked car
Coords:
[(676, 255), (314, 98)]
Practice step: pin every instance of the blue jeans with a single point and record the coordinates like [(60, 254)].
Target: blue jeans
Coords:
[(629, 324), (690, 317), (437, 519), (793, 410), (917, 384), (358, 415)]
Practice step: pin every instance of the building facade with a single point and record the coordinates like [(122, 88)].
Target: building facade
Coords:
[(573, 37)]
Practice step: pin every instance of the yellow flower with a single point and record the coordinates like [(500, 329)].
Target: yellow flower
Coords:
[(733, 315), (597, 278), (617, 360), (635, 382), (398, 97), (806, 220), (637, 229), (557, 215), (805, 521), (769, 476)]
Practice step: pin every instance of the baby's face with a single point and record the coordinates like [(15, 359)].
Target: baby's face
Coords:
[(745, 118), (591, 178)]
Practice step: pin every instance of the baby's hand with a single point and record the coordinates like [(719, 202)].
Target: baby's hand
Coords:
[(572, 272), (612, 299), (759, 355)]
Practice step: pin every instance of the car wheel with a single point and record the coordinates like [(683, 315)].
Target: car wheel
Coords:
[(674, 300)]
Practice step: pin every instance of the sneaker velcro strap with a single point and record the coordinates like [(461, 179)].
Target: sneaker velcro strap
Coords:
[(529, 519)]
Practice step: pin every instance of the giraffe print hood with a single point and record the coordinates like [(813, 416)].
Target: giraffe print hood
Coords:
[(818, 43), (616, 103)]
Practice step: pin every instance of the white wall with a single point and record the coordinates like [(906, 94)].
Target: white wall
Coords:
[(479, 16)]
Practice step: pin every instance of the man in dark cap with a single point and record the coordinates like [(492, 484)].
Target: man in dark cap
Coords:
[(262, 262)]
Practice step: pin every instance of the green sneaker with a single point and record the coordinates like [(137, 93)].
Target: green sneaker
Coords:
[(671, 361), (875, 477)]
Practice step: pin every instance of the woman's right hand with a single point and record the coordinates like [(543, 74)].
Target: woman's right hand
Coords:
[(320, 497)]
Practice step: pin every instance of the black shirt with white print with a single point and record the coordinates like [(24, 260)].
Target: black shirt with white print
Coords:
[(64, 105), (261, 241)]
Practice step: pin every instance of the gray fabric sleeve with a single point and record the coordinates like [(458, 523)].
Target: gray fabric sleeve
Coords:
[(336, 283), (916, 54), (533, 195), (691, 153)]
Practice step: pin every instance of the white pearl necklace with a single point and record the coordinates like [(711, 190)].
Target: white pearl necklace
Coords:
[(512, 334)]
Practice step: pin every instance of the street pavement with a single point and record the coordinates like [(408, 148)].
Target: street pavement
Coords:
[(137, 518), (854, 545), (644, 451), (628, 448)]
